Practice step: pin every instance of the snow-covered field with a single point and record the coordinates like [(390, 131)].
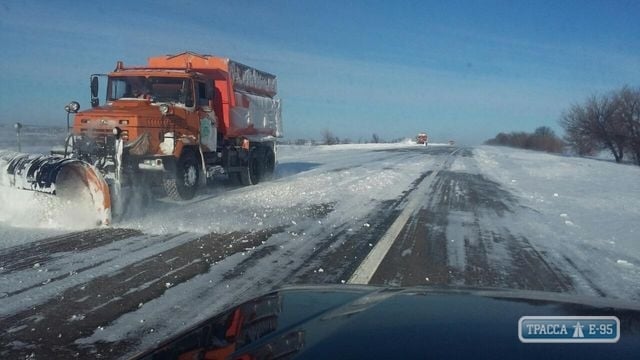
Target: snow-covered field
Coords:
[(585, 214), (37, 139)]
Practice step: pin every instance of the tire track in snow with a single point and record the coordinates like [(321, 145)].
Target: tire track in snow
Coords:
[(453, 240), (339, 255), (33, 285), (49, 329), (39, 252), (78, 310), (366, 270)]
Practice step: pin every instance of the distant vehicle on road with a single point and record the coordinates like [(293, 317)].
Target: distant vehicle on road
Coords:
[(422, 139)]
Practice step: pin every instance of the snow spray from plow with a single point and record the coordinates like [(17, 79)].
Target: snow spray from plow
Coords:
[(69, 179)]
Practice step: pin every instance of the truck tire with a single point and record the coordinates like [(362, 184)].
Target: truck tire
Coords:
[(269, 165), (252, 174), (182, 184)]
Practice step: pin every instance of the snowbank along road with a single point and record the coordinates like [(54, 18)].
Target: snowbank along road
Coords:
[(397, 214)]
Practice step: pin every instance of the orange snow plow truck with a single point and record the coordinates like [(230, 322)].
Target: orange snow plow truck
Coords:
[(170, 124), (422, 139)]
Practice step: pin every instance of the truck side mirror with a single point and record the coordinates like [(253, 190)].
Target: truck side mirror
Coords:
[(95, 101)]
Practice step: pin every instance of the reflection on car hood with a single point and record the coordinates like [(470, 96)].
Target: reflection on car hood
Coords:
[(358, 322)]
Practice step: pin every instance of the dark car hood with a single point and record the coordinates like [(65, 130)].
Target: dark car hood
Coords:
[(357, 322)]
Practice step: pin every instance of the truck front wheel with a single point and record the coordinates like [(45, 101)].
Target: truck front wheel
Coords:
[(182, 184)]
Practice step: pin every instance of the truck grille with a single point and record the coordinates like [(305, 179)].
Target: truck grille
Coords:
[(96, 133)]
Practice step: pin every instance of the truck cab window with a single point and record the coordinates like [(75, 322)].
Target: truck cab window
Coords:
[(186, 96), (157, 89), (117, 88), (203, 99)]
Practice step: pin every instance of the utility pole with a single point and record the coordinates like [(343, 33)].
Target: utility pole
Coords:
[(18, 127)]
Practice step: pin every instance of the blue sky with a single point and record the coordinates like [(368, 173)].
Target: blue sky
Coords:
[(459, 70)]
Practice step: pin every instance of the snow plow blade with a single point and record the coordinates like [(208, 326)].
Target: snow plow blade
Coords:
[(70, 179)]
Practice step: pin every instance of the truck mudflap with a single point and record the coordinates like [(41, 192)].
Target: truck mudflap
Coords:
[(71, 179)]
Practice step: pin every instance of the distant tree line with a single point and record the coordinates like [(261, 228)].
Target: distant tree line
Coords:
[(609, 121), (542, 139), (328, 138)]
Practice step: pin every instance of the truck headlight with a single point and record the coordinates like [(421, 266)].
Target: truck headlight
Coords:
[(73, 107), (164, 109)]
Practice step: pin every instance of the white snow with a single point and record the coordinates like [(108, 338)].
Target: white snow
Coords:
[(28, 209), (350, 179), (320, 174), (623, 262), (580, 211), (28, 215), (583, 210), (353, 177)]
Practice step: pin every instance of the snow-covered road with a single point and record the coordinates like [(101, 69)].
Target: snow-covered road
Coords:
[(488, 217)]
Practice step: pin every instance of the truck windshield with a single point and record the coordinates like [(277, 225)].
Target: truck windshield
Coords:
[(156, 89)]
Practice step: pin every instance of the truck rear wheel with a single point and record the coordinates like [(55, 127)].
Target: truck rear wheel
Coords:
[(269, 165), (252, 174), (182, 184), (260, 167)]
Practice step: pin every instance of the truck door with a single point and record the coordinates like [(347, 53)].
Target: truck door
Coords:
[(208, 126)]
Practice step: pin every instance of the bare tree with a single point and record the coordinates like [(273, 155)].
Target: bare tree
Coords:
[(628, 117), (375, 138), (542, 139), (596, 124), (577, 134), (544, 131), (610, 121), (605, 126), (328, 138)]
